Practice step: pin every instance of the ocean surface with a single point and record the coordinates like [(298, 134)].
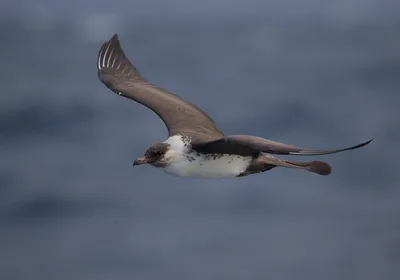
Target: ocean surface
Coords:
[(73, 207)]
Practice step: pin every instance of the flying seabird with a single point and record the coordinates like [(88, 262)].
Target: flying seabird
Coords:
[(195, 146)]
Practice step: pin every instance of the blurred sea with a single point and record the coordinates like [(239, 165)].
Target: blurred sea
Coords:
[(72, 206)]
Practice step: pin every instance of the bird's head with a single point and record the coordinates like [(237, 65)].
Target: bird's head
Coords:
[(155, 155)]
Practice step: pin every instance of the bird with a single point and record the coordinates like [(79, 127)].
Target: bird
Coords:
[(195, 147)]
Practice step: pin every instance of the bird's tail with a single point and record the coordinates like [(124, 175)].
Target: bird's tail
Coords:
[(318, 167)]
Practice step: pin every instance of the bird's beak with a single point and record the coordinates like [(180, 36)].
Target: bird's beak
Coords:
[(140, 161)]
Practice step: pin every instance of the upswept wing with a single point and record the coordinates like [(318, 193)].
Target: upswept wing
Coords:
[(179, 116)]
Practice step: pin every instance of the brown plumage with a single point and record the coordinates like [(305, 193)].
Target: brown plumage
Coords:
[(193, 124), (179, 116)]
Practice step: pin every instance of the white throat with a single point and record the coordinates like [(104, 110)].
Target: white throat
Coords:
[(182, 161)]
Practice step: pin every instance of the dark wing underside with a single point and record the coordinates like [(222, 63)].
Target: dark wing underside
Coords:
[(179, 116), (246, 145)]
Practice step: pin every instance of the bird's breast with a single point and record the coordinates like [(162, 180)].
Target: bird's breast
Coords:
[(208, 166)]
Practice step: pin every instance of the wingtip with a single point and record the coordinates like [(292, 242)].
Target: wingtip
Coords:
[(365, 143), (106, 52), (114, 37)]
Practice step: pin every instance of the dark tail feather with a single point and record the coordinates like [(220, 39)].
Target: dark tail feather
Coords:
[(319, 167), (268, 162)]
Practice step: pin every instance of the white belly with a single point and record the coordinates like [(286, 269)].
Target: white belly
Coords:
[(226, 166)]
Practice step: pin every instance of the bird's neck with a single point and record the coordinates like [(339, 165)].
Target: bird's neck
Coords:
[(178, 143)]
